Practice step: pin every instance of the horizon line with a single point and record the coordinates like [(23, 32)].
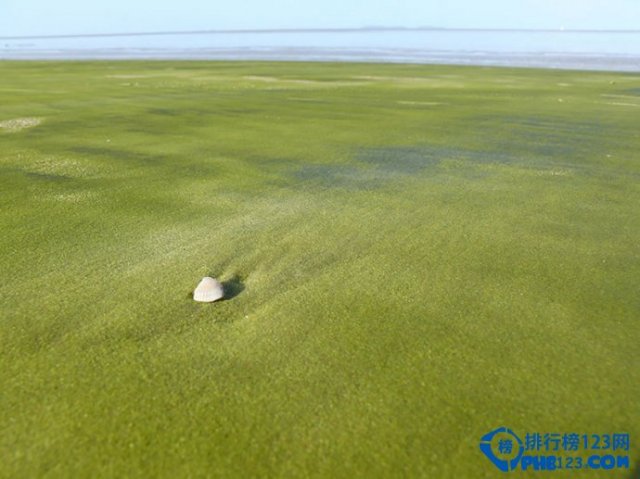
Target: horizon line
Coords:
[(315, 30)]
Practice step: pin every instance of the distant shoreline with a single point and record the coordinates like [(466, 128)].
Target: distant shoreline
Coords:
[(380, 29), (572, 49), (547, 60)]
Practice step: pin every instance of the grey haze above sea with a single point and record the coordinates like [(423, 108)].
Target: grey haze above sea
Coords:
[(583, 50)]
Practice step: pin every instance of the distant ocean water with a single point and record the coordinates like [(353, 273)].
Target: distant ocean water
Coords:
[(614, 51)]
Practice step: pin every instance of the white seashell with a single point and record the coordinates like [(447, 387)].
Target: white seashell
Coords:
[(208, 290)]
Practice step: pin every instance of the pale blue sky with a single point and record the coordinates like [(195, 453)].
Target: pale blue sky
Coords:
[(33, 17)]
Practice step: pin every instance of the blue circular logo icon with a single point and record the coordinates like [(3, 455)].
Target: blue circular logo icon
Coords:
[(503, 447)]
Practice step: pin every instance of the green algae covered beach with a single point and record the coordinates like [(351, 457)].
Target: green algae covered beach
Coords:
[(413, 256)]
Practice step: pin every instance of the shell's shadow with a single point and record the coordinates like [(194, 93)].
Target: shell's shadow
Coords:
[(232, 288)]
